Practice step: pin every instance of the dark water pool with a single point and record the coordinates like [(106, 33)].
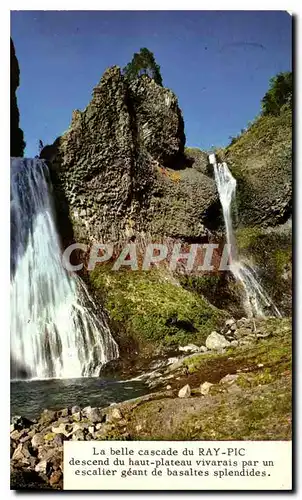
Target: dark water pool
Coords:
[(30, 398)]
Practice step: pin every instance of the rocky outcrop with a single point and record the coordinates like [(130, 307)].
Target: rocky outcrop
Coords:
[(158, 121), (121, 170), (199, 160), (261, 161), (269, 251), (17, 143)]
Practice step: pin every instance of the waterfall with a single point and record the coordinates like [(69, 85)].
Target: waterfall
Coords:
[(56, 329), (256, 300)]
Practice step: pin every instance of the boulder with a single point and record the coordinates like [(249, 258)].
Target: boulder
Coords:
[(203, 348), (93, 414), (37, 440), (47, 417), (230, 322), (15, 435), (55, 477), (18, 454), (115, 414), (23, 453), (189, 348), (215, 341), (205, 388), (243, 332), (75, 409), (185, 391), (229, 379), (42, 467), (19, 423), (25, 438), (78, 435), (76, 417), (64, 412), (63, 428), (52, 456), (242, 322), (59, 439)]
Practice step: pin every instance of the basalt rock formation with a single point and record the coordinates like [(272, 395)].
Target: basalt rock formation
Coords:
[(121, 170), (261, 161), (17, 143)]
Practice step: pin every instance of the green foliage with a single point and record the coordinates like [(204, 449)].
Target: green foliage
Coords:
[(143, 63), (219, 289), (154, 310), (189, 150), (234, 139), (279, 94), (276, 102)]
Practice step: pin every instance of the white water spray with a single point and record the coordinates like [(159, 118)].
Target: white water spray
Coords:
[(56, 330), (256, 300)]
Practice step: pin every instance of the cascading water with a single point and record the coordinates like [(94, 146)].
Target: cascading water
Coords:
[(56, 331), (256, 300)]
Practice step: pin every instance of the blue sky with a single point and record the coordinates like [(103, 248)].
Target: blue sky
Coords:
[(217, 63)]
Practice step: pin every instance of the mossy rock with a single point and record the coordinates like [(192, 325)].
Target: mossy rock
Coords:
[(261, 162), (219, 289), (153, 308), (270, 253), (49, 436)]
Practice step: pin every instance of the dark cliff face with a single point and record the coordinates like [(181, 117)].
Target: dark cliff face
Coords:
[(121, 169), (17, 143)]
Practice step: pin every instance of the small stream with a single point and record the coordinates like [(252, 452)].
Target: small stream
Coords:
[(30, 397)]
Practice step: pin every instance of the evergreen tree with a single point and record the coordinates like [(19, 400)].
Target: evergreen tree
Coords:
[(279, 93), (143, 63)]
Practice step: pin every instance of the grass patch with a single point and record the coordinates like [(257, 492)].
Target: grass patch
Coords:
[(265, 414), (273, 354), (153, 308), (257, 406)]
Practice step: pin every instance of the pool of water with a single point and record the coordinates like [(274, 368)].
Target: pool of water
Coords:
[(30, 398)]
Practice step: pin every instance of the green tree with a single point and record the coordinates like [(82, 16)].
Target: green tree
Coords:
[(280, 92), (143, 63)]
